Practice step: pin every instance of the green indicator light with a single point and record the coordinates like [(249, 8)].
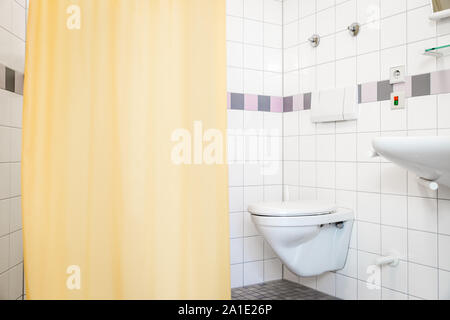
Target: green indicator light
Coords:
[(396, 99)]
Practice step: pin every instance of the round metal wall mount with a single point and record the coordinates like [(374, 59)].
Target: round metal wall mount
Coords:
[(314, 40), (354, 29)]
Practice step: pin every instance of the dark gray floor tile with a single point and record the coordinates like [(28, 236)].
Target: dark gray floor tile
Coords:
[(278, 290)]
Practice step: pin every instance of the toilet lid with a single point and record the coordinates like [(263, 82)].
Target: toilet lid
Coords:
[(292, 209)]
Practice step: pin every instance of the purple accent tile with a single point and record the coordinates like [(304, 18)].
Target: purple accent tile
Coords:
[(301, 102), (440, 82), (276, 104), (251, 102), (298, 102), (295, 103), (288, 104), (408, 87), (369, 92)]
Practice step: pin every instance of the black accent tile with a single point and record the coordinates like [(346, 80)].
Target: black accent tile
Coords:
[(307, 101), (264, 103), (237, 101), (288, 104), (10, 79), (421, 85), (385, 88)]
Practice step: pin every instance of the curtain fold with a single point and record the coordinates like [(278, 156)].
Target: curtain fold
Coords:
[(104, 92)]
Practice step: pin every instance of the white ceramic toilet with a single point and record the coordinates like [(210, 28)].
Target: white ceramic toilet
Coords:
[(310, 237)]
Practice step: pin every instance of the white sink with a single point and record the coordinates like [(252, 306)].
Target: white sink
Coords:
[(428, 157)]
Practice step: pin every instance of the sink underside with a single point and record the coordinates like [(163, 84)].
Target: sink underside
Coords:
[(428, 157)]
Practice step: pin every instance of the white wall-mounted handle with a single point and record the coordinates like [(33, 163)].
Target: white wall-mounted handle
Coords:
[(392, 260), (432, 185)]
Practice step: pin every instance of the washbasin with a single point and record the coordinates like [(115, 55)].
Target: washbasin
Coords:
[(428, 157)]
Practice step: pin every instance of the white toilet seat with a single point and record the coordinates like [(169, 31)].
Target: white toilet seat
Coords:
[(341, 215), (292, 209)]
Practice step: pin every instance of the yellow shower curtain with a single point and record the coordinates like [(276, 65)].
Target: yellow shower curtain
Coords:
[(107, 212)]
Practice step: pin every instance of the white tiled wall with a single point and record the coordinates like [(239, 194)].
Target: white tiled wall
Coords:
[(330, 162), (12, 52), (393, 33), (254, 29), (255, 138)]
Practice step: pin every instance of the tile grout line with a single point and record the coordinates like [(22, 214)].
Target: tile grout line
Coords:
[(356, 222), (407, 176), (380, 166), (437, 195)]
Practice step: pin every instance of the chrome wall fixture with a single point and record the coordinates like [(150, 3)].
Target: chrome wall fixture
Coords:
[(314, 40), (354, 29)]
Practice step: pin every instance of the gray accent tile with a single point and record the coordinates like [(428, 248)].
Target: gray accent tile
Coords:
[(359, 93), (307, 101), (2, 77), (385, 88), (288, 104), (237, 101), (421, 85), (264, 103), (10, 79)]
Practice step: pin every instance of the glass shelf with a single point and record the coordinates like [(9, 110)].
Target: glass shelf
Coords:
[(438, 51)]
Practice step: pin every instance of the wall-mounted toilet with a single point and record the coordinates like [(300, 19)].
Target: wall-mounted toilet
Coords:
[(310, 237)]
